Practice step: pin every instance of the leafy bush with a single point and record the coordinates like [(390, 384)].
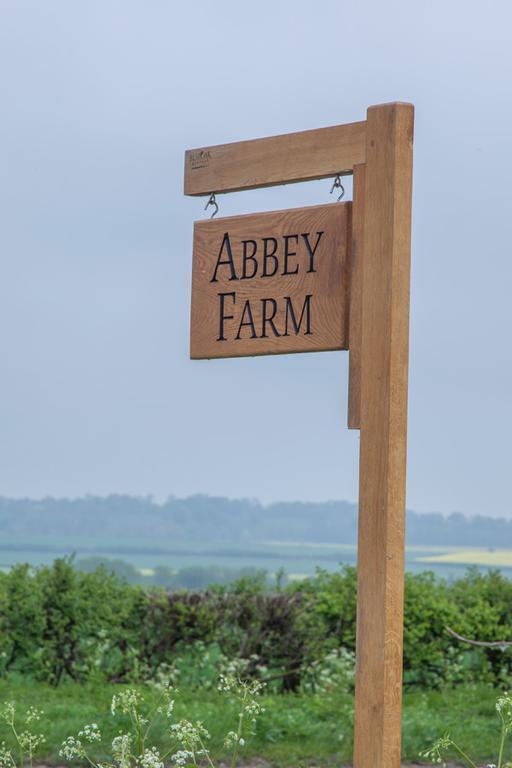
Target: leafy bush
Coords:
[(59, 623)]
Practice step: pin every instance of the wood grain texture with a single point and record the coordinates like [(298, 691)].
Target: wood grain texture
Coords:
[(388, 180), (278, 304), (282, 159), (356, 300)]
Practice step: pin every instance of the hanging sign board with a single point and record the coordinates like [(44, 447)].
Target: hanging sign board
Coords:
[(271, 283)]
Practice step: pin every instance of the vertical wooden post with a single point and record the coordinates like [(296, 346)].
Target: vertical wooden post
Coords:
[(384, 364)]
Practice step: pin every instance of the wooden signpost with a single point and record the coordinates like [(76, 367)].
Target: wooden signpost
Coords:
[(271, 283)]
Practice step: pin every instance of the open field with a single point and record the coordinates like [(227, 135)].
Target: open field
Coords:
[(296, 559), (493, 558), (298, 730)]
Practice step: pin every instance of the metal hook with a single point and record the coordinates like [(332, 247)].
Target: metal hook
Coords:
[(212, 201), (338, 185)]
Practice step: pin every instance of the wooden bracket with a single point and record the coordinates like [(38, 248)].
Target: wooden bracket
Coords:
[(356, 299)]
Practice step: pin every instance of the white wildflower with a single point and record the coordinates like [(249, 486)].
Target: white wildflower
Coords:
[(167, 710), (8, 712), (30, 741), (182, 757), (253, 707), (233, 738), (190, 735), (6, 759), (226, 684), (127, 701), (121, 749), (33, 715), (71, 748), (436, 751), (90, 733), (255, 687), (504, 710), (151, 759)]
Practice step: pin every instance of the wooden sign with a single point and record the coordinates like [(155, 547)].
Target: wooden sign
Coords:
[(271, 283)]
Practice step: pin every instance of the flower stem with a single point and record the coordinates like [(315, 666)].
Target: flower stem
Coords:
[(502, 744), (206, 752), (18, 742), (240, 730), (464, 756)]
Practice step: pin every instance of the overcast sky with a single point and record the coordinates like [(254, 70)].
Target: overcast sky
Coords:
[(99, 100)]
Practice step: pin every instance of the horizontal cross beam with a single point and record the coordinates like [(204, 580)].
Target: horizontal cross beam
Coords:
[(285, 159)]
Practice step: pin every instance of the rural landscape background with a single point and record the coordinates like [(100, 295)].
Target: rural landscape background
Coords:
[(169, 527), (198, 540), (104, 595)]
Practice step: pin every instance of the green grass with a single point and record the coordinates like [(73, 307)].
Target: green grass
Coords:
[(298, 730)]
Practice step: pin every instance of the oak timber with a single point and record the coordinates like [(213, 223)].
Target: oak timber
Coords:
[(387, 224), (356, 300), (271, 283), (274, 160)]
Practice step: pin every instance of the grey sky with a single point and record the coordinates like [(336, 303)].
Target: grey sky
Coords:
[(100, 98)]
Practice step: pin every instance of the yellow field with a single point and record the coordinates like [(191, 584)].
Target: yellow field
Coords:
[(491, 557)]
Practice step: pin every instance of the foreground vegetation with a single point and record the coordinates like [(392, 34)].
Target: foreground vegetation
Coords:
[(295, 729), (70, 640), (58, 624)]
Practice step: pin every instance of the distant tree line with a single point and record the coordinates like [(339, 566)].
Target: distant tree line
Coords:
[(134, 521)]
